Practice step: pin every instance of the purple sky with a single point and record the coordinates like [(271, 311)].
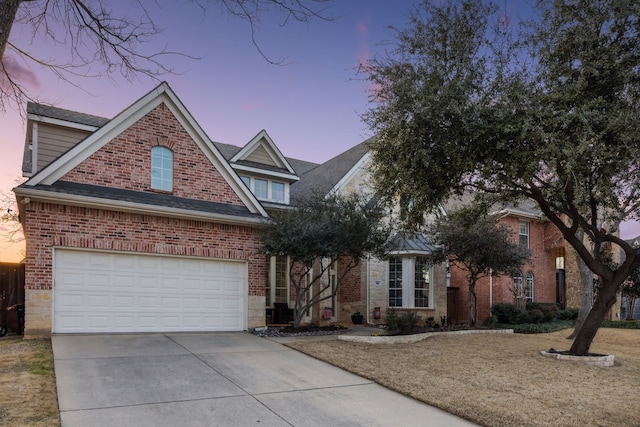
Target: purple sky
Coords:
[(311, 107)]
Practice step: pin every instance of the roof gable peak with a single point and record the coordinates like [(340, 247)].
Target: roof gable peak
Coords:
[(262, 149)]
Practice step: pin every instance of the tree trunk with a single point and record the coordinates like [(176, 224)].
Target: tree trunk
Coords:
[(604, 301), (632, 307), (586, 304), (7, 16), (471, 305)]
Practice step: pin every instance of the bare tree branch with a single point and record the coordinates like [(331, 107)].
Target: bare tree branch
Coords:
[(103, 42)]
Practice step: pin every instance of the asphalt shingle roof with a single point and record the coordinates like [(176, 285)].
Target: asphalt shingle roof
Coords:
[(410, 242), (66, 115), (325, 176), (153, 199)]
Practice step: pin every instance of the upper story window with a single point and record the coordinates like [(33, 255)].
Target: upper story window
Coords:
[(264, 189), (161, 168), (277, 191), (523, 232), (260, 188)]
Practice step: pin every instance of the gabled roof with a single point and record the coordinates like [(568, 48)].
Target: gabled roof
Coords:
[(299, 166), (261, 154), (109, 130), (327, 176)]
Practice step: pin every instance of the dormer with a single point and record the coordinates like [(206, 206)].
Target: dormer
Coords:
[(264, 169)]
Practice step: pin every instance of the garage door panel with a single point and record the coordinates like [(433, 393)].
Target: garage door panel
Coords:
[(117, 292)]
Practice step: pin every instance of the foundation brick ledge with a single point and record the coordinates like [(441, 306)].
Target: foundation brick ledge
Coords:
[(408, 339)]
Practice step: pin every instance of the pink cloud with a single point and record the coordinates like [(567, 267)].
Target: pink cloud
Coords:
[(363, 54), (18, 72), (254, 104)]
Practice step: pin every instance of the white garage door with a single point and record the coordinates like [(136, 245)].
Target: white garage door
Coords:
[(123, 292)]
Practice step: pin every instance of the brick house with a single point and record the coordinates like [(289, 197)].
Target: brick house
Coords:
[(136, 224), (142, 223), (541, 279)]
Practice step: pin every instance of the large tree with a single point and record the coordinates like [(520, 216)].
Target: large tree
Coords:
[(101, 38), (473, 241), (319, 232), (550, 113)]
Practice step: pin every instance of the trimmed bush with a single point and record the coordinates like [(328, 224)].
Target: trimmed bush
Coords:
[(507, 313), (490, 322), (568, 314), (549, 310), (622, 324), (539, 328), (536, 316)]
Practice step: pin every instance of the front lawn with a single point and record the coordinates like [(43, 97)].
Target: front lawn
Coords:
[(501, 379), (27, 384)]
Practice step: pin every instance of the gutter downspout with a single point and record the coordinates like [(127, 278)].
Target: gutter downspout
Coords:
[(368, 288), (490, 290)]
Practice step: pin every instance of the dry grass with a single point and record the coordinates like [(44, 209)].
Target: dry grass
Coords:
[(27, 384), (501, 379)]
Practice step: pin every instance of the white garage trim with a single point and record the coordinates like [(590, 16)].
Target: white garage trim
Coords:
[(96, 291)]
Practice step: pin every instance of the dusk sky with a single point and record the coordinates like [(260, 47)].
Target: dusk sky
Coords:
[(310, 107)]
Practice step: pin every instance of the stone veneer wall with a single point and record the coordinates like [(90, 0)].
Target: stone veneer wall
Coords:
[(379, 293)]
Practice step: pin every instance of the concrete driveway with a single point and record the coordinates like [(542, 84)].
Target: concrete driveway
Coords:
[(218, 379)]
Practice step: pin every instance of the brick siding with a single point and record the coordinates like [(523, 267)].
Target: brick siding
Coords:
[(541, 264), (125, 161), (50, 225)]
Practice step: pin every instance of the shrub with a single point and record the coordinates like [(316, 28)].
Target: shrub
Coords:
[(539, 328), (402, 323), (536, 316), (506, 313), (622, 324), (430, 323), (568, 314), (490, 322), (549, 310)]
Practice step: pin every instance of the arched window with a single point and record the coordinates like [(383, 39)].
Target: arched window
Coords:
[(161, 169), (517, 284), (529, 287)]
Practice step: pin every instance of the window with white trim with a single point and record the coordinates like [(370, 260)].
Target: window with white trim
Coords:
[(265, 189), (422, 278), (523, 233), (161, 168), (277, 191), (410, 282), (395, 281), (529, 286), (260, 188), (277, 280), (517, 284)]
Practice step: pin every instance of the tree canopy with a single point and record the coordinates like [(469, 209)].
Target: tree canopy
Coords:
[(317, 232), (548, 111)]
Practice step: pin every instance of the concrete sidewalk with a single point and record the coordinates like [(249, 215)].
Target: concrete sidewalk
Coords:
[(218, 379)]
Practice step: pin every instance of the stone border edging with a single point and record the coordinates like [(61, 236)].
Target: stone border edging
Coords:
[(603, 361), (408, 339)]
